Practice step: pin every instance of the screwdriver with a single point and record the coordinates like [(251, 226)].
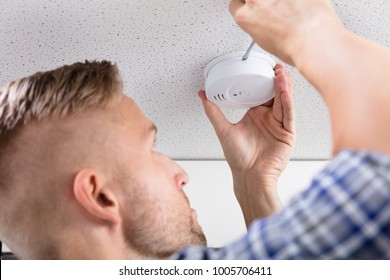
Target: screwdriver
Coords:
[(246, 55)]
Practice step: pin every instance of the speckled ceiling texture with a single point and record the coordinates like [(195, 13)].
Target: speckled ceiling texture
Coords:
[(161, 48)]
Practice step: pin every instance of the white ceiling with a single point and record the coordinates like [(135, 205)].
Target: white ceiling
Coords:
[(161, 48)]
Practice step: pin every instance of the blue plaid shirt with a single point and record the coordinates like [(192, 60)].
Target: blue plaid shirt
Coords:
[(344, 214)]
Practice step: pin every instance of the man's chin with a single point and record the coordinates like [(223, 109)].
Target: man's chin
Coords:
[(198, 235), (202, 239)]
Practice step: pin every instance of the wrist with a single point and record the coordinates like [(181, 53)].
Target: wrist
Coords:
[(256, 193), (319, 32), (257, 198), (263, 185), (244, 181)]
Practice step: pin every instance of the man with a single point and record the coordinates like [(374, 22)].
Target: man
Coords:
[(81, 179), (345, 214), (346, 211)]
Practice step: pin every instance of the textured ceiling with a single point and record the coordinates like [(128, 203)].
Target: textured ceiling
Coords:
[(161, 48)]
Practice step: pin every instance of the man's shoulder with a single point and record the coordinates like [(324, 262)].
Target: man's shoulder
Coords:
[(346, 160), (344, 214), (353, 170)]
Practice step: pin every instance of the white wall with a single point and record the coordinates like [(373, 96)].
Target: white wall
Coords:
[(211, 194)]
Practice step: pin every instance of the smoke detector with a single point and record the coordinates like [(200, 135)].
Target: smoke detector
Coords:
[(232, 82)]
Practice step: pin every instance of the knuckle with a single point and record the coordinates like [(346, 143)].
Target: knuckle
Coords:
[(241, 18)]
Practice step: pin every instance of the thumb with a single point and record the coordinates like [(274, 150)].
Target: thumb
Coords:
[(214, 114)]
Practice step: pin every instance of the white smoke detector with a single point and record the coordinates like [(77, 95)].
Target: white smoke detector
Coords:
[(235, 83)]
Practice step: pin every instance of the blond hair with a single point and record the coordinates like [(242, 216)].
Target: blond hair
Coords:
[(44, 96), (58, 92)]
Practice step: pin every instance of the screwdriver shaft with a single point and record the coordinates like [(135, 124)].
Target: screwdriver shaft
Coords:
[(246, 55)]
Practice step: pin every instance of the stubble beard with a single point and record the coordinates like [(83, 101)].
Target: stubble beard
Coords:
[(151, 237)]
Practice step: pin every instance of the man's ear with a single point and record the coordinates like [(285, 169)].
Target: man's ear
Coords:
[(97, 199)]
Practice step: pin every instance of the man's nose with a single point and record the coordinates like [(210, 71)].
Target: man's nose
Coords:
[(181, 177)]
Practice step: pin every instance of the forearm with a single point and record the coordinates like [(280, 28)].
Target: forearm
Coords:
[(257, 199), (352, 75)]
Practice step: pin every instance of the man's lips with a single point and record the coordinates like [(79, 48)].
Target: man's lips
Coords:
[(194, 213)]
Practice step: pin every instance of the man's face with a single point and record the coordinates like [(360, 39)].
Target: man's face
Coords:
[(157, 218)]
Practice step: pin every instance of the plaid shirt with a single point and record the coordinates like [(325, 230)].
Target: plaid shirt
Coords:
[(344, 214)]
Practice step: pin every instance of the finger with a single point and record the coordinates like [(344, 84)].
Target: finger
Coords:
[(278, 66), (214, 114), (235, 5), (289, 79), (281, 84), (288, 112), (288, 107)]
